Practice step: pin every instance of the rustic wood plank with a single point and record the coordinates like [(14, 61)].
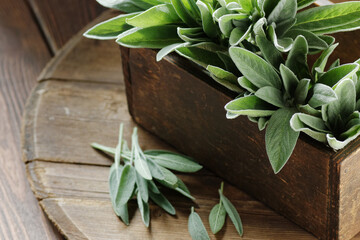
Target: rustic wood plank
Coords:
[(77, 201), (23, 54), (90, 60), (60, 20), (64, 117)]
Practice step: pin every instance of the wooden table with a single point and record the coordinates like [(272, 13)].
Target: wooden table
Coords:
[(35, 31)]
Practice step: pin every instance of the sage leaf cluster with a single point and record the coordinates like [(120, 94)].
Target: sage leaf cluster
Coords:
[(217, 218), (137, 173), (203, 30)]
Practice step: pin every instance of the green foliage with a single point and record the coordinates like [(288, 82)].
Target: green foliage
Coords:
[(135, 177)]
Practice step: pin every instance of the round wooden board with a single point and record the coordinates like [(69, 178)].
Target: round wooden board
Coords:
[(80, 98)]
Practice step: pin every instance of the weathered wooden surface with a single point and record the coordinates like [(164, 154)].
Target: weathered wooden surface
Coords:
[(70, 178)]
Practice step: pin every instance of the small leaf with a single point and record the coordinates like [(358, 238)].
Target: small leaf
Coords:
[(162, 202), (225, 78), (284, 10), (110, 29), (126, 185), (155, 170), (196, 227), (271, 95), (254, 68), (142, 186), (334, 76), (208, 24), (250, 106), (183, 13), (217, 217), (297, 125), (301, 91), (314, 41), (168, 49), (246, 84), (173, 161), (124, 5), (142, 167), (269, 51), (290, 80), (297, 58), (304, 3), (324, 19), (280, 138), (322, 60), (225, 22), (152, 37), (322, 95), (233, 214), (237, 35), (152, 187), (144, 210)]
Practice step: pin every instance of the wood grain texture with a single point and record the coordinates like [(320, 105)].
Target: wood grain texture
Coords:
[(93, 55), (76, 199), (54, 15), (23, 54)]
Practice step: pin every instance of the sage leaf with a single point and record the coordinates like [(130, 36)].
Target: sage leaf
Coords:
[(283, 10), (271, 95), (183, 13), (334, 76), (322, 60), (225, 78), (338, 144), (304, 3), (126, 185), (232, 212), (254, 68), (156, 16), (225, 22), (280, 138), (297, 125), (217, 218), (201, 56), (108, 150), (269, 51), (168, 49), (283, 44), (192, 35), (284, 26), (152, 187), (262, 123), (208, 24), (297, 58), (114, 177), (110, 29), (301, 91), (324, 19), (162, 202), (322, 94), (152, 37), (196, 227), (169, 178), (246, 5), (155, 170), (142, 186), (144, 210), (237, 35), (250, 106), (142, 167), (290, 80), (127, 6), (184, 193), (314, 41), (173, 161), (246, 84)]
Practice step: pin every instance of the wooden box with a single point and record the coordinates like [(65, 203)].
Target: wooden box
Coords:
[(318, 189)]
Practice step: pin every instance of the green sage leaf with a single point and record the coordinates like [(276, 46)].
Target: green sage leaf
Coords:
[(280, 138), (334, 76), (217, 218), (290, 80), (156, 16), (110, 29), (142, 186), (225, 78), (269, 51), (254, 68), (233, 214), (162, 202), (208, 24), (304, 3), (173, 161), (152, 37), (168, 49), (314, 41), (297, 58), (322, 60), (196, 227), (271, 95), (301, 91), (126, 185), (144, 210), (246, 84), (251, 106), (283, 10), (183, 12), (322, 94)]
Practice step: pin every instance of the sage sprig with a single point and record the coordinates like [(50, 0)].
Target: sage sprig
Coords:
[(135, 174), (196, 227)]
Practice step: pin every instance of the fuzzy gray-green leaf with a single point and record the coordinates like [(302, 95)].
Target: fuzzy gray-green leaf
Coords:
[(110, 29), (271, 95), (217, 217), (126, 185), (269, 51), (322, 60), (144, 210), (152, 37), (250, 106), (208, 24), (162, 202), (290, 80), (196, 227), (233, 213), (301, 91), (156, 16), (225, 78), (254, 68), (174, 161), (334, 76), (322, 94), (142, 187), (297, 58), (284, 10), (280, 138)]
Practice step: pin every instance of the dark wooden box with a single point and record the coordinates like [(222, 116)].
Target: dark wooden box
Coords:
[(318, 189)]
